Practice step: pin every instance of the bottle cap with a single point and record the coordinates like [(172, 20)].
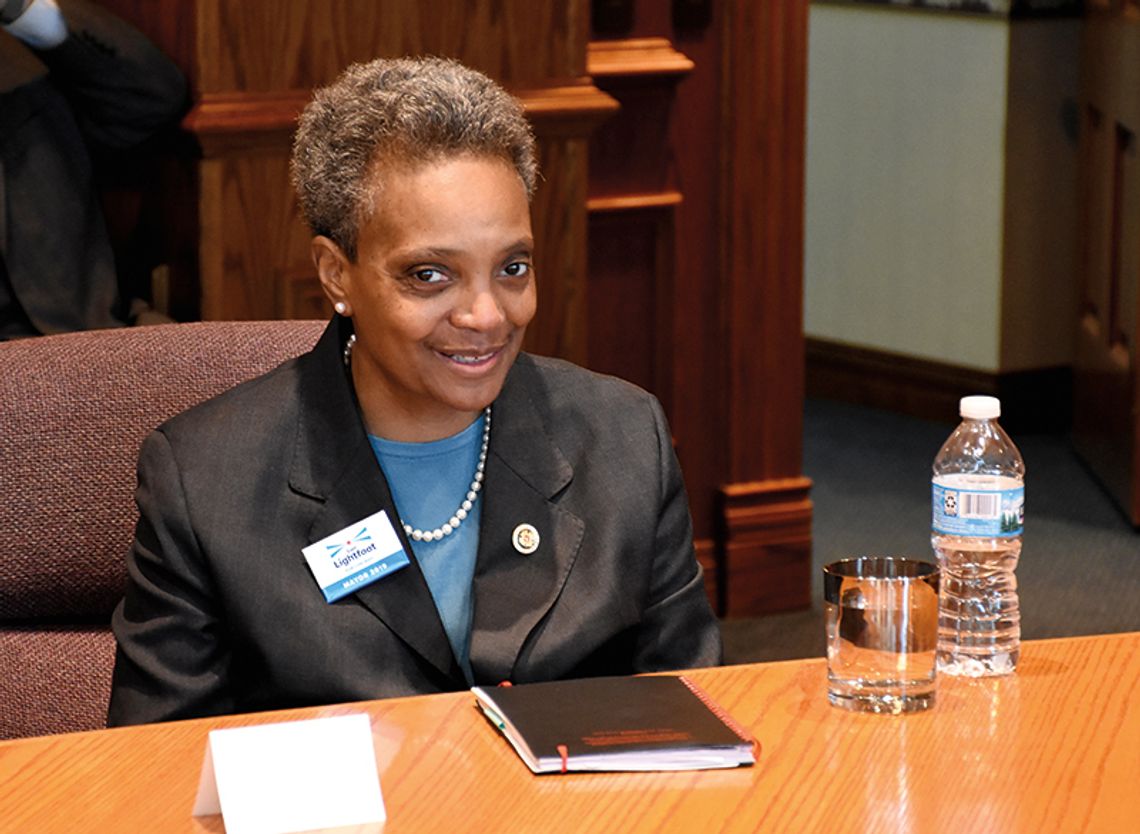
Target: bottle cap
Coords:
[(980, 407)]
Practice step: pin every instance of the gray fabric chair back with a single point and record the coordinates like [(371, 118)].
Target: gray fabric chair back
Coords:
[(73, 411)]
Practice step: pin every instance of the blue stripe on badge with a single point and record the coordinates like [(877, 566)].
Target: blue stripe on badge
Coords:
[(365, 576)]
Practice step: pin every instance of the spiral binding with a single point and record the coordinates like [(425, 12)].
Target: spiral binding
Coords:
[(717, 710)]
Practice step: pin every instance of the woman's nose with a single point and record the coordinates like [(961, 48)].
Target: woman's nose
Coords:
[(479, 310)]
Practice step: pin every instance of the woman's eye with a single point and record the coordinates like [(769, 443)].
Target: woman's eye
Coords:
[(429, 275), (517, 269)]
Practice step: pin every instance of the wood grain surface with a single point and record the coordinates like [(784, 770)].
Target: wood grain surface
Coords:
[(271, 46), (1055, 748)]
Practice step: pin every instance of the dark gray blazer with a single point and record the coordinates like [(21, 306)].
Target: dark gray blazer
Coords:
[(105, 84), (222, 614)]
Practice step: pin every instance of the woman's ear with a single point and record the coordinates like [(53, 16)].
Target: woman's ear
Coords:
[(333, 269)]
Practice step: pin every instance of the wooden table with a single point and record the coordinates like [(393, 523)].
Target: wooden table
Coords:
[(1055, 748)]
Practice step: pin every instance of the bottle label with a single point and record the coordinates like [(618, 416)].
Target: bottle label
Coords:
[(984, 506)]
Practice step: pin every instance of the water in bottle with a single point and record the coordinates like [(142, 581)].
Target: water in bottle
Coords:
[(978, 513)]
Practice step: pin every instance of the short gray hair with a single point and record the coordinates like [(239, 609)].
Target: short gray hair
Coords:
[(409, 110)]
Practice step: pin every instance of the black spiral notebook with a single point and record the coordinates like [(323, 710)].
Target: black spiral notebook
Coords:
[(618, 723)]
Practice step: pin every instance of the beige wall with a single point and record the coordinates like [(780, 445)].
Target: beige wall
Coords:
[(914, 244)]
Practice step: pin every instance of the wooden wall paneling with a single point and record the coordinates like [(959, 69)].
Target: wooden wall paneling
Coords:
[(1092, 212), (763, 232), (631, 156), (560, 325), (1106, 378), (1123, 146), (631, 205), (565, 109), (268, 46), (629, 58), (639, 313), (263, 237), (241, 123), (176, 283), (300, 295), (563, 115), (767, 531), (630, 278), (250, 235), (765, 47), (699, 412), (1128, 300)]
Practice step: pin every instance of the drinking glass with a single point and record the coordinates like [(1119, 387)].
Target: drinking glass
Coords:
[(882, 631)]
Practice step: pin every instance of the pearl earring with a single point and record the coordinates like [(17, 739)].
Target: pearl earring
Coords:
[(340, 307)]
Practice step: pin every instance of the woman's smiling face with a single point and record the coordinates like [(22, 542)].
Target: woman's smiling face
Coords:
[(440, 294)]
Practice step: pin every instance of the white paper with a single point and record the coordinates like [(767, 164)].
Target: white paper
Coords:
[(292, 776)]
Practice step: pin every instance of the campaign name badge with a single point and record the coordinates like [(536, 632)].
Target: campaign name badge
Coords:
[(356, 556)]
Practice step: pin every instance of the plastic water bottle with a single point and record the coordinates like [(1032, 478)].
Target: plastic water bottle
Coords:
[(978, 514)]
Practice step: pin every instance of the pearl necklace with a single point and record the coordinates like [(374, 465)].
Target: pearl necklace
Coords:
[(452, 524), (460, 515)]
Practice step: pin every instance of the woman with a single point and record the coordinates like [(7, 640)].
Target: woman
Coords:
[(414, 506)]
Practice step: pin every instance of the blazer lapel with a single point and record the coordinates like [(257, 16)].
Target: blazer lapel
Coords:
[(513, 591), (334, 463)]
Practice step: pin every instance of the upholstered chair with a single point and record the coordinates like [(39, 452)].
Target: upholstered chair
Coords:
[(74, 409)]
